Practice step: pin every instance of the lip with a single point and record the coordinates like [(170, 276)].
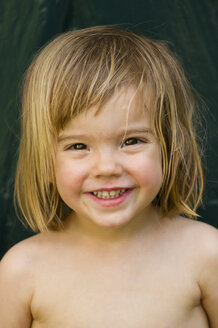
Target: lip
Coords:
[(109, 189), (111, 202)]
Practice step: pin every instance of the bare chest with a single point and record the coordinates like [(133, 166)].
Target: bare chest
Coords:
[(157, 294)]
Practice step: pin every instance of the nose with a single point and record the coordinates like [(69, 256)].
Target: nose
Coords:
[(107, 164)]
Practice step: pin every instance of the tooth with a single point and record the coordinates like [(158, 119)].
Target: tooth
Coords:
[(113, 192), (108, 194)]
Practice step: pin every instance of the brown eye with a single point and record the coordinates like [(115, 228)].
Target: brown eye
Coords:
[(131, 142), (78, 146)]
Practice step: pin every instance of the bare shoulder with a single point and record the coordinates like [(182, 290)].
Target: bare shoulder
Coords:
[(24, 257), (194, 240), (195, 245), (22, 254), (19, 262), (202, 240), (196, 233), (17, 277)]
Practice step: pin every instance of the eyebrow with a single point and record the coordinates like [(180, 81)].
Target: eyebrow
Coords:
[(63, 137)]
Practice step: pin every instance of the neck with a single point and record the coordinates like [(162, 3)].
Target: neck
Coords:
[(140, 226)]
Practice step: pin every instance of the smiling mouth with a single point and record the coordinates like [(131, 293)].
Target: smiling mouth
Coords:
[(105, 194)]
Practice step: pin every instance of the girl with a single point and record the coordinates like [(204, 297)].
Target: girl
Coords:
[(108, 170)]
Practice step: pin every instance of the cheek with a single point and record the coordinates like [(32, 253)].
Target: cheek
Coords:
[(149, 172), (69, 176)]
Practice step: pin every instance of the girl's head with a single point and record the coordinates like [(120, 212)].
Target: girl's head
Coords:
[(85, 68)]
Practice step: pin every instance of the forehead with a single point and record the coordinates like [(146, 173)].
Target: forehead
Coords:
[(125, 107)]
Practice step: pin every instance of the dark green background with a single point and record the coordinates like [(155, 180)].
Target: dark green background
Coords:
[(25, 25)]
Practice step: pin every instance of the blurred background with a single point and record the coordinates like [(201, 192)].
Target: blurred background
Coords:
[(190, 28)]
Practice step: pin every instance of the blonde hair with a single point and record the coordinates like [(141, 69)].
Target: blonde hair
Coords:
[(83, 68)]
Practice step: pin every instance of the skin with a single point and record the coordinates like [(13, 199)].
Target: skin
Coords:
[(115, 266)]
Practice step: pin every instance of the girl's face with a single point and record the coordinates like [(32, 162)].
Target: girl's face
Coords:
[(105, 179)]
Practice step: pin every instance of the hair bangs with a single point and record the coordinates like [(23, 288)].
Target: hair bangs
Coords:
[(87, 71)]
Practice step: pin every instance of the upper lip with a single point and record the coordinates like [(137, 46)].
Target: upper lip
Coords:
[(110, 189)]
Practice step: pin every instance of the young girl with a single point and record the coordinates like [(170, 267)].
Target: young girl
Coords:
[(108, 164)]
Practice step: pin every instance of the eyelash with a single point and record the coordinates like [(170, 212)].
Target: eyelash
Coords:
[(84, 147), (73, 147), (138, 141)]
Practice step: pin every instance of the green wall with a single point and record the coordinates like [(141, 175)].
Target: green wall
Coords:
[(25, 25)]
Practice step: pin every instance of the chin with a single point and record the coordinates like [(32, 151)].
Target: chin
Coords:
[(111, 223)]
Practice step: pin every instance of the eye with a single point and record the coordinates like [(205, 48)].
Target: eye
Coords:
[(78, 146), (132, 141)]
